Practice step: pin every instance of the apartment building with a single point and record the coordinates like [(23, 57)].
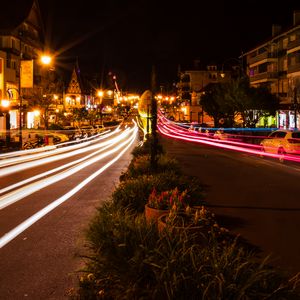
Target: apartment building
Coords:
[(190, 88), (21, 35), (275, 63)]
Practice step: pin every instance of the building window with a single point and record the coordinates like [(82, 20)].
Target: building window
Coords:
[(262, 68), (262, 50), (292, 37), (186, 78)]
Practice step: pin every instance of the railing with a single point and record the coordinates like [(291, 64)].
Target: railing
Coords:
[(262, 56), (294, 68), (293, 44), (264, 75)]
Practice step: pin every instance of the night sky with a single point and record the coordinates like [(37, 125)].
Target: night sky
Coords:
[(128, 37)]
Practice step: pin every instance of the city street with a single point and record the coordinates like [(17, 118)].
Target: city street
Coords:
[(47, 200), (258, 197)]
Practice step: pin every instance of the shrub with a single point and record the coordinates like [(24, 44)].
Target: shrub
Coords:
[(130, 260), (118, 268), (134, 193), (141, 165)]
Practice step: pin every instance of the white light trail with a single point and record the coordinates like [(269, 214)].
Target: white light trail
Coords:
[(45, 153), (31, 164), (21, 193), (40, 214), (41, 175)]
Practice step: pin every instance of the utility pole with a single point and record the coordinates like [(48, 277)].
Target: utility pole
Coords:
[(295, 106), (154, 141), (20, 97)]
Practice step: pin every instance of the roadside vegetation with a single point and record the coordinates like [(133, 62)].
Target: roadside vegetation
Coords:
[(225, 101), (130, 258)]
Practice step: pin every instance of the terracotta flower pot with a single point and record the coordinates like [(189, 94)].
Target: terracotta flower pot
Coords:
[(152, 214)]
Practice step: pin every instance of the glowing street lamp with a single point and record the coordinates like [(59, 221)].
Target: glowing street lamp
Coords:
[(46, 59), (5, 103), (100, 93)]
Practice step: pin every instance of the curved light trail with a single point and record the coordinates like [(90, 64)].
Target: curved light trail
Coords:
[(55, 170), (24, 155), (6, 238), (177, 132), (53, 156)]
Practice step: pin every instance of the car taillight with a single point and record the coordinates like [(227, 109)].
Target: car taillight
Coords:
[(294, 141)]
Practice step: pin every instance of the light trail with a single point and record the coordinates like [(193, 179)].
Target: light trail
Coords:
[(21, 193), (45, 153), (178, 135), (40, 214), (185, 128), (31, 164), (41, 175), (203, 137)]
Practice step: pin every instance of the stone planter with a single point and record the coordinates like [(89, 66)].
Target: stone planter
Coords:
[(152, 214)]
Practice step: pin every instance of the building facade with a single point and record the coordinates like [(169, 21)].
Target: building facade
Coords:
[(190, 87), (276, 64), (21, 39)]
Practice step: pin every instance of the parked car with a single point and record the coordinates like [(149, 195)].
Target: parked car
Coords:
[(282, 142), (99, 128)]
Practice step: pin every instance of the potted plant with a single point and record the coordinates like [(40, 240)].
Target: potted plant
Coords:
[(160, 203)]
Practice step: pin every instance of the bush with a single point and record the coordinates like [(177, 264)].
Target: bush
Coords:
[(131, 260), (118, 267), (141, 165), (134, 193)]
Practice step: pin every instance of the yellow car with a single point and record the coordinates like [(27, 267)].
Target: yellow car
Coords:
[(282, 142)]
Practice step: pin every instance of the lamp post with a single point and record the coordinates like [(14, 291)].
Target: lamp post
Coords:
[(27, 82), (100, 94), (5, 106), (295, 107)]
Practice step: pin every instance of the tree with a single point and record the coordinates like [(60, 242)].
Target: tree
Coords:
[(79, 115), (251, 103), (238, 98), (212, 100), (42, 96), (261, 104)]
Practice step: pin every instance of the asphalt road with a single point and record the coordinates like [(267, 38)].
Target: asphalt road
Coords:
[(258, 198), (43, 261)]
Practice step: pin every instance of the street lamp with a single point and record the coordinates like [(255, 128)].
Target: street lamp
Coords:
[(46, 59), (27, 69)]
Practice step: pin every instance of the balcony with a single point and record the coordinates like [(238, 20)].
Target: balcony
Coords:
[(293, 44), (266, 76), (262, 56), (11, 51), (294, 68)]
